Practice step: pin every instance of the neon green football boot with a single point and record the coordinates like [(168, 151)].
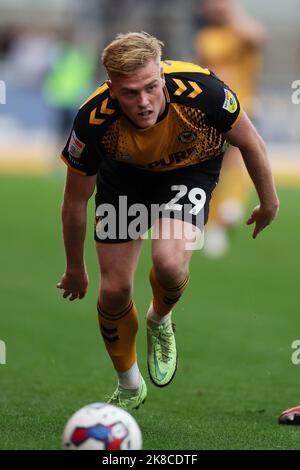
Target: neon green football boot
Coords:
[(129, 399), (162, 352)]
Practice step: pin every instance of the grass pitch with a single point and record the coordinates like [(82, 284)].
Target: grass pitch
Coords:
[(235, 326)]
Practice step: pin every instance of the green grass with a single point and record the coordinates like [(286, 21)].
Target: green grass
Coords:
[(235, 326)]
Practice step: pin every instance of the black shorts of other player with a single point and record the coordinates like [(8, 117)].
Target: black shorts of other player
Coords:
[(129, 200)]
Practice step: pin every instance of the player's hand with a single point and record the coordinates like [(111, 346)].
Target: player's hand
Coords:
[(74, 285), (262, 216)]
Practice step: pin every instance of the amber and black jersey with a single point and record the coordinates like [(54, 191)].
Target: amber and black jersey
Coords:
[(200, 108)]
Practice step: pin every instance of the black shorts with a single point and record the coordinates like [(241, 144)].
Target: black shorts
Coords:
[(129, 199)]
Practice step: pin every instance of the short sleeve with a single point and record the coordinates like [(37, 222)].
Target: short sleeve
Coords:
[(80, 153), (224, 108)]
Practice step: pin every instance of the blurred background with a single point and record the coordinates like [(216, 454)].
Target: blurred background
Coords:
[(235, 325), (45, 45)]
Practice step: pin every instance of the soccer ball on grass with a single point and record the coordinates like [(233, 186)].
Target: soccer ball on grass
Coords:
[(100, 426)]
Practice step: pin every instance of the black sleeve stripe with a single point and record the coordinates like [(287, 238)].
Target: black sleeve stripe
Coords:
[(64, 159)]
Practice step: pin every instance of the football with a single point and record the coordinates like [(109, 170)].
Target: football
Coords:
[(100, 426)]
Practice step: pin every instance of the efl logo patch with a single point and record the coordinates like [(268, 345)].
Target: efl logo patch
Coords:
[(76, 147), (230, 103)]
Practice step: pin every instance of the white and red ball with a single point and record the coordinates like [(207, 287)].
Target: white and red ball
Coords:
[(100, 426)]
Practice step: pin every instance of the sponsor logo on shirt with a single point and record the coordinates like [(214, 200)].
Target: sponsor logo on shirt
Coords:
[(76, 147), (172, 159), (125, 158)]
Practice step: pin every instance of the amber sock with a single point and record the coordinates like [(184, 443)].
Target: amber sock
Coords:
[(119, 333), (164, 298)]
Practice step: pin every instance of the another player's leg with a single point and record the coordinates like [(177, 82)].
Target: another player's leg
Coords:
[(118, 319), (290, 416), (227, 205), (169, 278)]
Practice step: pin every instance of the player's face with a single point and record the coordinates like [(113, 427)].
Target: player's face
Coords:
[(140, 94), (218, 11)]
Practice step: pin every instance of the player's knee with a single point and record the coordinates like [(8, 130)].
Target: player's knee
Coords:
[(169, 270), (115, 294)]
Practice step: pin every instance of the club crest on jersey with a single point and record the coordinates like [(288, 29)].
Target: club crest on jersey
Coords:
[(76, 147), (187, 137), (230, 103)]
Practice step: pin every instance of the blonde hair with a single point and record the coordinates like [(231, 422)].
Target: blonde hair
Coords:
[(131, 51)]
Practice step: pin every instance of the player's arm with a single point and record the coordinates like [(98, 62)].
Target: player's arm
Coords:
[(78, 190), (247, 28), (252, 147), (251, 33)]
